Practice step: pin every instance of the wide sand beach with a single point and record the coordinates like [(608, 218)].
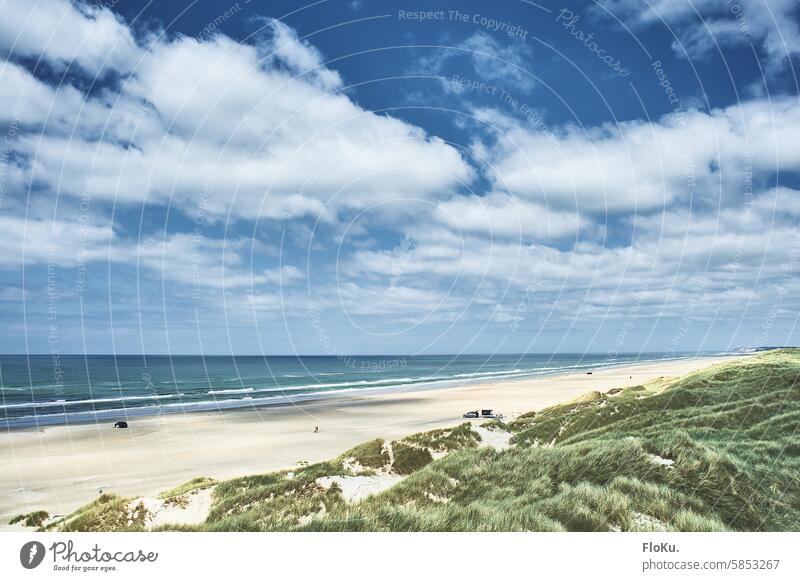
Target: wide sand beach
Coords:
[(63, 467)]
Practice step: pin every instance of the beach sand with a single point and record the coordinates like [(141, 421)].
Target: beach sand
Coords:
[(61, 468)]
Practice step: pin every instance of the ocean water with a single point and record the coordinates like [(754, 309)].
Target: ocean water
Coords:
[(39, 390)]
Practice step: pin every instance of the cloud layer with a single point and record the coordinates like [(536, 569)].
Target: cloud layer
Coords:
[(245, 181)]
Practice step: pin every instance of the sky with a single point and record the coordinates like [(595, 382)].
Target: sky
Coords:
[(383, 177)]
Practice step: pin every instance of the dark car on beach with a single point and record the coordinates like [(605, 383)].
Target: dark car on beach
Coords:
[(484, 414)]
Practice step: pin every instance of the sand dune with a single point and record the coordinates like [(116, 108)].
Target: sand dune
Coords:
[(61, 468)]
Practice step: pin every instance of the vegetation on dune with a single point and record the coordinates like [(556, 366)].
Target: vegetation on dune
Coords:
[(372, 454), (408, 459), (716, 450), (445, 440), (418, 450), (198, 483), (32, 519), (277, 501), (495, 425), (108, 512)]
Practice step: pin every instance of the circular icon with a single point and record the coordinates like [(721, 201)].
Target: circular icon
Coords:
[(31, 554)]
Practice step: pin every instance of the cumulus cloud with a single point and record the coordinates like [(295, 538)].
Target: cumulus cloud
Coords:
[(215, 129), (63, 33), (392, 300), (62, 243), (187, 259), (27, 101), (641, 166), (205, 262), (217, 126), (500, 215), (299, 56), (738, 261), (443, 255)]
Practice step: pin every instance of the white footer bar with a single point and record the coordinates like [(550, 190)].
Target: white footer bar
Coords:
[(389, 556)]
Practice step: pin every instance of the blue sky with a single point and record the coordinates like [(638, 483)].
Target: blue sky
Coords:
[(390, 177)]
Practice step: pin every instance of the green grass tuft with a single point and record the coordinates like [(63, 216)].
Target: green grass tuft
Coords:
[(108, 513), (370, 454), (198, 483), (408, 459), (445, 440), (32, 519)]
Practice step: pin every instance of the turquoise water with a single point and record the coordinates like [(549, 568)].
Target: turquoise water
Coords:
[(45, 390)]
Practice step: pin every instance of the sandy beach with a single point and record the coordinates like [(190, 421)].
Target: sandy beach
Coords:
[(61, 468)]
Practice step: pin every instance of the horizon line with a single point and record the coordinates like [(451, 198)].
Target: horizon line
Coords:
[(344, 356)]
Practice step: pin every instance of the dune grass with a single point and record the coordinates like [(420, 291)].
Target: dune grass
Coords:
[(370, 455), (445, 440), (408, 459), (107, 513), (31, 519), (717, 450), (198, 483)]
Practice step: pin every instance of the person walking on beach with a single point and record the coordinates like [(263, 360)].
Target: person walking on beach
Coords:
[(316, 429)]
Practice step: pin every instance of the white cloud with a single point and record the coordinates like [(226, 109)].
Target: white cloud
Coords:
[(501, 215), (640, 166), (441, 255), (702, 24), (62, 243), (217, 124), (27, 101), (64, 33), (734, 262), (301, 57), (188, 259), (215, 127), (781, 200), (507, 66), (392, 300), (284, 275), (202, 262), (494, 62)]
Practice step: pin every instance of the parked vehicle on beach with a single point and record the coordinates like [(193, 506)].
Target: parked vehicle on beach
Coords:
[(483, 414)]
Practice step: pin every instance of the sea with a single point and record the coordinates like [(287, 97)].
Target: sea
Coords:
[(43, 390)]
